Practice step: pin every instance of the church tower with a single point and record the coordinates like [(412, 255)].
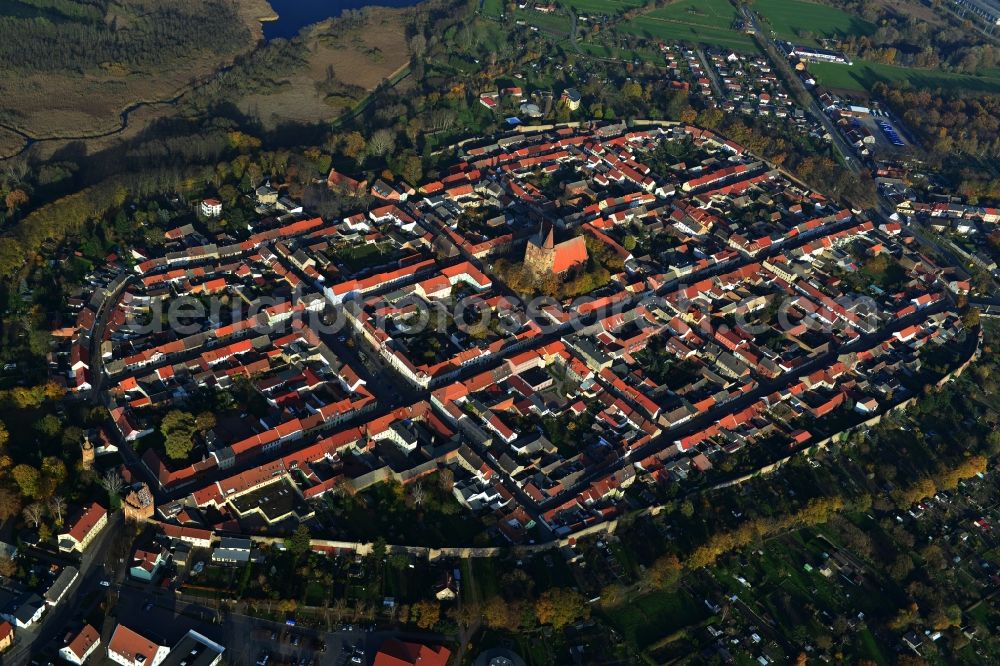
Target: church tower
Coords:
[(87, 452), (544, 257), (539, 255), (138, 505)]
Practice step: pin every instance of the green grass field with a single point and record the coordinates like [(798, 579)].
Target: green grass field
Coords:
[(650, 617), (789, 18), (704, 22), (711, 13), (605, 51), (601, 7), (555, 24), (493, 7), (863, 74)]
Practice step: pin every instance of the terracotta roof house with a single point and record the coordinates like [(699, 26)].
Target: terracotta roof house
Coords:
[(84, 528), (82, 646), (6, 635), (338, 181), (398, 653), (211, 207), (193, 535), (146, 563), (130, 648)]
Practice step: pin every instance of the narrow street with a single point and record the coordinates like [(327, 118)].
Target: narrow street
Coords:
[(800, 90), (465, 634), (53, 624), (713, 77)]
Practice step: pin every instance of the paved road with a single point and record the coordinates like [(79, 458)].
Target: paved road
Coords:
[(55, 621), (774, 54), (954, 261), (713, 77), (97, 335)]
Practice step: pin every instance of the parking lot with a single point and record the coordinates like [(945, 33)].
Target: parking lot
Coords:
[(280, 645), (889, 143), (163, 617), (249, 641), (256, 642)]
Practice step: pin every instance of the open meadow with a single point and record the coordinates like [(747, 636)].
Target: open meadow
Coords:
[(708, 22), (342, 66), (602, 7), (863, 74), (792, 19)]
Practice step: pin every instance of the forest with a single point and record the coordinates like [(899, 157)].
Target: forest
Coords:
[(950, 125), (907, 39)]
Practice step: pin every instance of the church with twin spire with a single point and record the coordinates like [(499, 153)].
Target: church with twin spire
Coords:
[(544, 257)]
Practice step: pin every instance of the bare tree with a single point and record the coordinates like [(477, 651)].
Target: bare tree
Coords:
[(446, 479), (57, 505), (113, 482), (17, 169), (418, 45), (418, 494), (440, 119), (360, 609), (33, 514), (339, 608), (381, 142)]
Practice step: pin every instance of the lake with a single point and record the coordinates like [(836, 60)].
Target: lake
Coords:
[(293, 15)]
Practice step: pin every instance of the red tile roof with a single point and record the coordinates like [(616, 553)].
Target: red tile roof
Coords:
[(87, 520), (128, 644), (185, 533), (398, 653)]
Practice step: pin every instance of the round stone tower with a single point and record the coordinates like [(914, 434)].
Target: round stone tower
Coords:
[(87, 452)]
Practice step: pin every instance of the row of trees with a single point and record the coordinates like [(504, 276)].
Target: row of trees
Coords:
[(557, 607)]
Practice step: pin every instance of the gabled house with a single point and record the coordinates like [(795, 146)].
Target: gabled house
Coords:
[(84, 528), (6, 635), (232, 550), (81, 646), (130, 648), (146, 563), (398, 653)]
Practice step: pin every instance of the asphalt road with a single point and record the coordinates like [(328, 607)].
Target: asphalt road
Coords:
[(713, 77), (54, 624), (778, 61), (97, 335)]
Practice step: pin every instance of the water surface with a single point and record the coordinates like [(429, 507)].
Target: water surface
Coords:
[(293, 15)]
